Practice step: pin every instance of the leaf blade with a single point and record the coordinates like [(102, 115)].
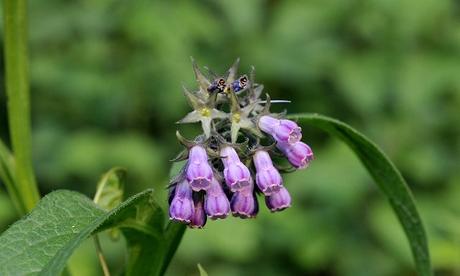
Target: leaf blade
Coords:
[(30, 247), (389, 180)]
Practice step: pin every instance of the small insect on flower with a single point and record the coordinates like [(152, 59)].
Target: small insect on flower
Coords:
[(240, 84), (222, 176), (217, 85)]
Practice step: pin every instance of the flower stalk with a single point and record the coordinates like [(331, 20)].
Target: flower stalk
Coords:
[(17, 88)]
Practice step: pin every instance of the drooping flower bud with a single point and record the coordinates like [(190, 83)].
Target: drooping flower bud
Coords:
[(268, 179), (299, 154), (237, 175), (244, 203), (279, 200), (198, 172), (216, 202), (181, 207), (198, 219), (285, 131)]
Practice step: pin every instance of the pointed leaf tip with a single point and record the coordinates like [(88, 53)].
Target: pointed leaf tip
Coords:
[(233, 71), (203, 82)]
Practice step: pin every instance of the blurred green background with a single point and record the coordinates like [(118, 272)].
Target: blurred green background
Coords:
[(106, 81)]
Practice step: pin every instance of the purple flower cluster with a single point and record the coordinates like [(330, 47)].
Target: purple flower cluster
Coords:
[(222, 176)]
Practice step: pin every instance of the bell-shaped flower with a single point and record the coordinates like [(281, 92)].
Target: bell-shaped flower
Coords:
[(283, 131), (244, 203), (279, 200), (198, 171), (236, 174), (216, 202), (198, 219), (299, 154), (268, 179), (181, 208)]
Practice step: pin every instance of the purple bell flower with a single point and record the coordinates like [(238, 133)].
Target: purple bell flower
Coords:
[(199, 172), (299, 154), (181, 207), (268, 179), (216, 202), (285, 131), (236, 174), (198, 219), (244, 203), (279, 200)]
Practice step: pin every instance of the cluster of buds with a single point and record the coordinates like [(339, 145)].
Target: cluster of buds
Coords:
[(240, 138)]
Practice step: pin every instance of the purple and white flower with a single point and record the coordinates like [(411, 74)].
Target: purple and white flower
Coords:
[(181, 208), (244, 203), (299, 154), (199, 172), (198, 219), (229, 114), (268, 179), (279, 200), (236, 174), (216, 202), (285, 131)]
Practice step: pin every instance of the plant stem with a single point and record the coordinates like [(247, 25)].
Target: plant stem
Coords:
[(100, 255), (17, 87)]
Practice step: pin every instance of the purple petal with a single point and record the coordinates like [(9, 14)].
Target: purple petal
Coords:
[(216, 202), (181, 207), (266, 123), (244, 204), (199, 172), (299, 154), (279, 200), (285, 131), (198, 219)]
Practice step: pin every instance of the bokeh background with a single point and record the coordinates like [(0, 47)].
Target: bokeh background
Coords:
[(106, 80)]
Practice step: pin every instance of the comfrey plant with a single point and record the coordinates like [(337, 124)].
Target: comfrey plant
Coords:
[(231, 162), (241, 153)]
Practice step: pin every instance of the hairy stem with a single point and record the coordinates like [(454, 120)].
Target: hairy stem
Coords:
[(100, 255), (17, 87)]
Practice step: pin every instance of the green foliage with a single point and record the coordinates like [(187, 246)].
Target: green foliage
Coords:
[(202, 271), (106, 81), (42, 242), (387, 177), (7, 175), (109, 191)]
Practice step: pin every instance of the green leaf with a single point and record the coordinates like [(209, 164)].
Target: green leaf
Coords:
[(110, 189), (202, 271), (389, 180), (109, 194), (42, 242), (149, 253)]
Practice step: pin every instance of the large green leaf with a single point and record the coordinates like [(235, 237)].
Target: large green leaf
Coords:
[(42, 242), (389, 180)]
